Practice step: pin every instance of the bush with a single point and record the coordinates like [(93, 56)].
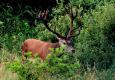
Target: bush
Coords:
[(55, 65), (93, 47)]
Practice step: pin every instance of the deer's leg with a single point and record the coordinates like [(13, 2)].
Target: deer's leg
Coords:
[(23, 48), (32, 58), (23, 58)]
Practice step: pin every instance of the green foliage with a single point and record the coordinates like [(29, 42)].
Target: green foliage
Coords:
[(65, 65), (93, 46)]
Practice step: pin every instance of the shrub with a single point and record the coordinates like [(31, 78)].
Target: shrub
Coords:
[(93, 47), (56, 65)]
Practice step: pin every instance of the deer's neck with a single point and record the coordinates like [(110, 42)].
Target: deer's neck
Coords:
[(55, 45)]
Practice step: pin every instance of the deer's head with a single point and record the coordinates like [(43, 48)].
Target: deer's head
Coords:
[(63, 40)]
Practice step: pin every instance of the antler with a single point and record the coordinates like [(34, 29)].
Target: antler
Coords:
[(43, 16), (71, 28), (71, 22)]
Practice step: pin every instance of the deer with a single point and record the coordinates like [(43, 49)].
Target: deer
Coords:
[(42, 48)]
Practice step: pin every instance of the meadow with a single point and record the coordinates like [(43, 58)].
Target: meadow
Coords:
[(94, 57)]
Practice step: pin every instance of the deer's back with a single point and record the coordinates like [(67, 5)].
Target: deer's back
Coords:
[(36, 46)]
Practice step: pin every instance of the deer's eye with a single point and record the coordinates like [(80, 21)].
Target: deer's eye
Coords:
[(64, 43)]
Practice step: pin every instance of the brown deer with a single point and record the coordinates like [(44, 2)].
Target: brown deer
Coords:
[(43, 48)]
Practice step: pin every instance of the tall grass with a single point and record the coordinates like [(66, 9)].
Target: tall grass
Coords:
[(5, 58), (6, 74)]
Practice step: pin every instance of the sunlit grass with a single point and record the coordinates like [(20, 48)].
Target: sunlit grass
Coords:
[(6, 57), (6, 74)]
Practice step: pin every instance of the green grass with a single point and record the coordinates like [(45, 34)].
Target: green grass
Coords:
[(90, 74)]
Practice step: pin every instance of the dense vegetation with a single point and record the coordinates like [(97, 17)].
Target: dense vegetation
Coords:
[(94, 58)]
